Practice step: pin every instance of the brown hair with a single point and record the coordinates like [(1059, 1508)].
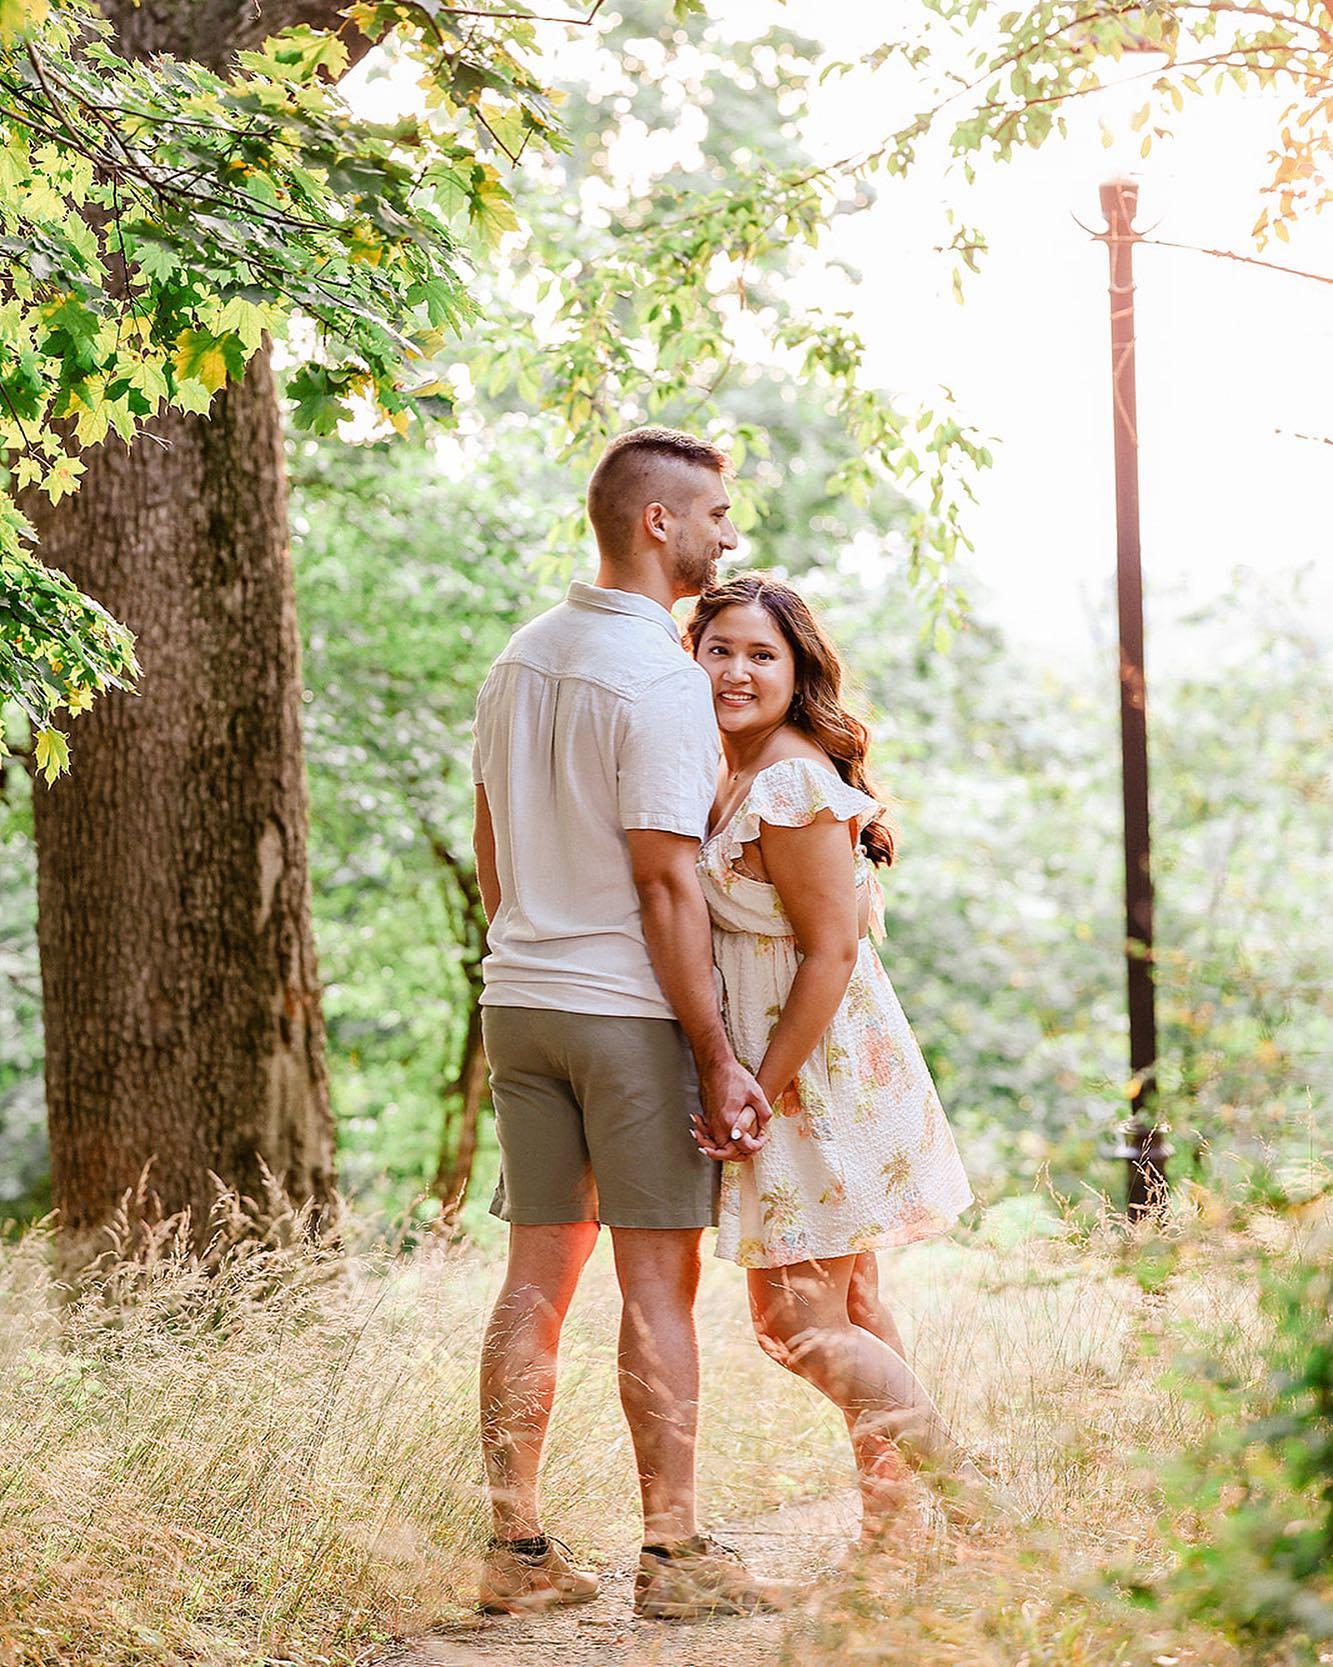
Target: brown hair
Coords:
[(816, 707), (630, 469)]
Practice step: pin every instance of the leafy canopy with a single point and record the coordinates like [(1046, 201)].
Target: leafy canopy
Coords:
[(156, 219)]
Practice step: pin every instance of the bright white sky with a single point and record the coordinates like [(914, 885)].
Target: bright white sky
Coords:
[(1234, 363)]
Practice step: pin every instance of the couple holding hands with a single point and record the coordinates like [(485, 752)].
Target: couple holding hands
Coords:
[(688, 1025)]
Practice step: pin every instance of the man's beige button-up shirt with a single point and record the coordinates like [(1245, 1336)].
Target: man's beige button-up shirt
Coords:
[(592, 721)]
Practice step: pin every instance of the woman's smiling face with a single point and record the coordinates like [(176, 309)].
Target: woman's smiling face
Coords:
[(752, 668)]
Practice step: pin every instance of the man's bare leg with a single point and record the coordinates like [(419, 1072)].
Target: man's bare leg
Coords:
[(518, 1365), (658, 1270)]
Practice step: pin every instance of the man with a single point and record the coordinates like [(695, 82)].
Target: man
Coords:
[(595, 768)]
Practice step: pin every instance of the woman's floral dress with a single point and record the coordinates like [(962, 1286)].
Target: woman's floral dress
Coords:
[(859, 1154)]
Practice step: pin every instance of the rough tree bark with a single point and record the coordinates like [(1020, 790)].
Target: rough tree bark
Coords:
[(463, 1103), (181, 1000), (466, 1094)]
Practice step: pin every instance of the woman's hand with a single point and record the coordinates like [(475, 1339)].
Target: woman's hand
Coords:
[(747, 1136), (733, 1111)]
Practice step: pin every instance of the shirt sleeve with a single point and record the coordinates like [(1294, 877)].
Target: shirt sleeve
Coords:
[(666, 765)]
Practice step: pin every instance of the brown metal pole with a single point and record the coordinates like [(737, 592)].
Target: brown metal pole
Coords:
[(1144, 1146)]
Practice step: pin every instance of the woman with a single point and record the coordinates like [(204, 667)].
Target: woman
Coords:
[(858, 1153)]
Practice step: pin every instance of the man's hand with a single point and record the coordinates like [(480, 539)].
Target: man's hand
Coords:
[(735, 1112)]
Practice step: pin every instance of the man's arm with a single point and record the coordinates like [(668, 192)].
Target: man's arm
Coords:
[(483, 848), (680, 945)]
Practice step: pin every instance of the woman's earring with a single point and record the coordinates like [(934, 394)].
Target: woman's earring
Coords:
[(796, 708)]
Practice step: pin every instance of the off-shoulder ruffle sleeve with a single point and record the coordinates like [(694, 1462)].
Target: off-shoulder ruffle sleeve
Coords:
[(791, 793)]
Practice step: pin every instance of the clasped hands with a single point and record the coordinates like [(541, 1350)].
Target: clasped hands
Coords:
[(732, 1124)]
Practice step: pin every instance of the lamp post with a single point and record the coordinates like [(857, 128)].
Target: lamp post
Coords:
[(1144, 1146)]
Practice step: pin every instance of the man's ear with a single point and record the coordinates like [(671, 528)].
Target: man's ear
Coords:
[(655, 517)]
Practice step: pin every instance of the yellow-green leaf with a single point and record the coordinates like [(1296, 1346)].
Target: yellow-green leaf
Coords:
[(206, 358), (63, 478), (52, 752), (20, 17)]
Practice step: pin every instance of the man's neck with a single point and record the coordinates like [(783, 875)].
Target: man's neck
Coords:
[(654, 586)]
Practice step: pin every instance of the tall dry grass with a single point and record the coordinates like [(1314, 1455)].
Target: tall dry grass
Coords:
[(275, 1459)]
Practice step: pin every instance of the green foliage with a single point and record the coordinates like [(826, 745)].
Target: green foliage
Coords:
[(676, 291), (412, 569), (1261, 1486), (1005, 922), (156, 219), (25, 1189)]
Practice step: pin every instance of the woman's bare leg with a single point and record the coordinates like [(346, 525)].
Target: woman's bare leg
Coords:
[(882, 1471), (802, 1317), (866, 1306)]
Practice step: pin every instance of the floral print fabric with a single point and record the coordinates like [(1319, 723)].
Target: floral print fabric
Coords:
[(859, 1154)]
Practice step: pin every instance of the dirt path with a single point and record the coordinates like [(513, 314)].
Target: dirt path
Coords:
[(796, 1542)]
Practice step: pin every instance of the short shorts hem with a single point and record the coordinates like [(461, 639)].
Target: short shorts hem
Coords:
[(542, 1218), (663, 1226)]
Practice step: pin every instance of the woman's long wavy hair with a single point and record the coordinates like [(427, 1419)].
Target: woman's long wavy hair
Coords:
[(816, 706)]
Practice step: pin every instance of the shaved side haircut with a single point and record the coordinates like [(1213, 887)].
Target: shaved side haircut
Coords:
[(640, 467)]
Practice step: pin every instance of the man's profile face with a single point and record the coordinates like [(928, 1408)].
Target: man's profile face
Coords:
[(701, 531)]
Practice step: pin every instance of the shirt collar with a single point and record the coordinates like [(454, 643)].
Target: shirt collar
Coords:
[(622, 602)]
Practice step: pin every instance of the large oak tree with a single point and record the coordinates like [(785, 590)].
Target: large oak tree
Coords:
[(184, 1034), (180, 988)]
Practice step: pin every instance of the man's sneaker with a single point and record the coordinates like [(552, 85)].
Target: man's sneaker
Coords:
[(698, 1578), (525, 1582)]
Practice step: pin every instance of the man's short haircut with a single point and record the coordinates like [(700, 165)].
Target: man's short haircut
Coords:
[(636, 470)]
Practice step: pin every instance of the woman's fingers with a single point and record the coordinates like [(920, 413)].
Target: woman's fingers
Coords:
[(732, 1151)]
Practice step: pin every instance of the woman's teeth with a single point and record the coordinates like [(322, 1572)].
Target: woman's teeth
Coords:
[(736, 699)]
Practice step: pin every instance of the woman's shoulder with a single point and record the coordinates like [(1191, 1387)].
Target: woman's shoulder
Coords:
[(796, 755), (792, 791)]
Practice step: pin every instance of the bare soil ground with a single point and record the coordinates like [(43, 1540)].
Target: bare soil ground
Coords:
[(798, 1542)]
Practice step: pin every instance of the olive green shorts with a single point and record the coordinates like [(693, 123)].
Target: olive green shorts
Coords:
[(593, 1117)]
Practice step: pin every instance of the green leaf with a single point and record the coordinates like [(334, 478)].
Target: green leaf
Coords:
[(21, 17), (316, 391)]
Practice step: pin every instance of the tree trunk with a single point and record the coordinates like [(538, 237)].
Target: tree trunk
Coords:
[(466, 1095), (458, 1145), (181, 1000), (182, 1004)]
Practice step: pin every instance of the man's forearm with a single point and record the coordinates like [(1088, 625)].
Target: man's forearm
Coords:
[(680, 945)]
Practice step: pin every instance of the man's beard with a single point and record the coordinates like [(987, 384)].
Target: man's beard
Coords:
[(699, 572)]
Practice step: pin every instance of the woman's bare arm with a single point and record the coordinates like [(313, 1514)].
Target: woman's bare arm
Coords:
[(813, 871)]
